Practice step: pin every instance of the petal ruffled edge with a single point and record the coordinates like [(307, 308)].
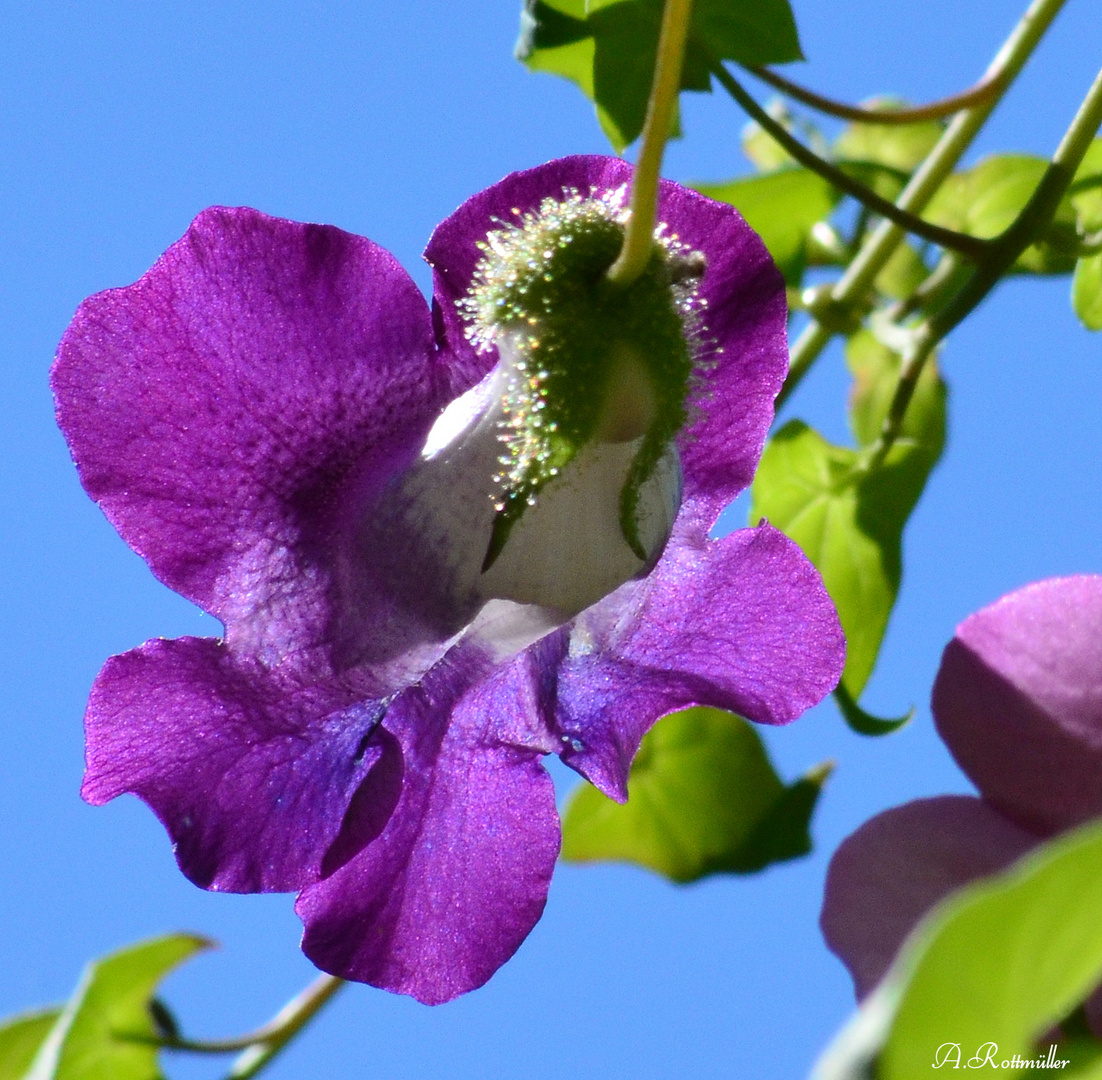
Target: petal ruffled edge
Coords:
[(233, 409), (459, 876), (742, 623), (253, 780)]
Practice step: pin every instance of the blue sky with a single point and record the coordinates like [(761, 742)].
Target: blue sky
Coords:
[(120, 122)]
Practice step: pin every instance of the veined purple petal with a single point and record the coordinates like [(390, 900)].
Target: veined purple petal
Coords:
[(898, 865), (1018, 700), (233, 410), (252, 777), (743, 338), (459, 876), (742, 623)]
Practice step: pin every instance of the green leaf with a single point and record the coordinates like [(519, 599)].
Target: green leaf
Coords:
[(985, 200), (849, 521), (782, 208), (902, 273), (748, 31), (865, 723), (98, 1034), (608, 48), (998, 962), (1086, 189), (1086, 197), (902, 147), (20, 1038), (703, 799), (1086, 291), (875, 370), (555, 37)]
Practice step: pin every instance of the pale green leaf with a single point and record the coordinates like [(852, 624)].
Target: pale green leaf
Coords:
[(1086, 291), (100, 1033), (782, 208), (20, 1039), (998, 963), (703, 798)]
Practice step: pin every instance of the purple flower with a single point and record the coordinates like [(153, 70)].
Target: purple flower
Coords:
[(262, 417), (1018, 700)]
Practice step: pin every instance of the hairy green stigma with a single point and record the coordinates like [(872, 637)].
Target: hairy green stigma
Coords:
[(585, 359)]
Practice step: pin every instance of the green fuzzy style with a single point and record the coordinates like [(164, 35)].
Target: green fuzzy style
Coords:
[(541, 285)]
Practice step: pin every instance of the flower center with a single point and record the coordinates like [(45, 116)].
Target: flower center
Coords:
[(591, 360), (556, 479)]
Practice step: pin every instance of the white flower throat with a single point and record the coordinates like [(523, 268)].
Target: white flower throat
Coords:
[(556, 479)]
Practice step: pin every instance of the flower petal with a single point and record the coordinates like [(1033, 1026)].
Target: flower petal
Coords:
[(742, 623), (898, 865), (233, 409), (743, 339), (252, 779), (439, 901), (1018, 700)]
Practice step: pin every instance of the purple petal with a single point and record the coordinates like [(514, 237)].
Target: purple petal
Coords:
[(232, 411), (1018, 699), (743, 338), (898, 865), (253, 778), (438, 902), (742, 623)]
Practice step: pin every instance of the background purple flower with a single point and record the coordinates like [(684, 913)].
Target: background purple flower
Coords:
[(1018, 701), (238, 414)]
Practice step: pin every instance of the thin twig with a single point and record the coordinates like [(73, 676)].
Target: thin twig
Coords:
[(1030, 224), (875, 252), (970, 246), (985, 90)]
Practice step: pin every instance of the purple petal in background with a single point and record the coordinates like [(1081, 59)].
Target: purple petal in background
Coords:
[(898, 865), (1018, 700)]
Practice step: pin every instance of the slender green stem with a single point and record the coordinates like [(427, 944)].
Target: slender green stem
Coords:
[(1035, 217), (639, 232), (286, 1024), (273, 1036), (969, 246), (985, 89), (855, 283), (1031, 223)]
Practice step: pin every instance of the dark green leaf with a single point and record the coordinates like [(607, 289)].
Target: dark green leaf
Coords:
[(1000, 962), (99, 1033), (985, 200), (782, 208), (703, 799), (608, 48), (902, 273), (865, 723), (849, 521), (20, 1038), (545, 26), (749, 31)]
